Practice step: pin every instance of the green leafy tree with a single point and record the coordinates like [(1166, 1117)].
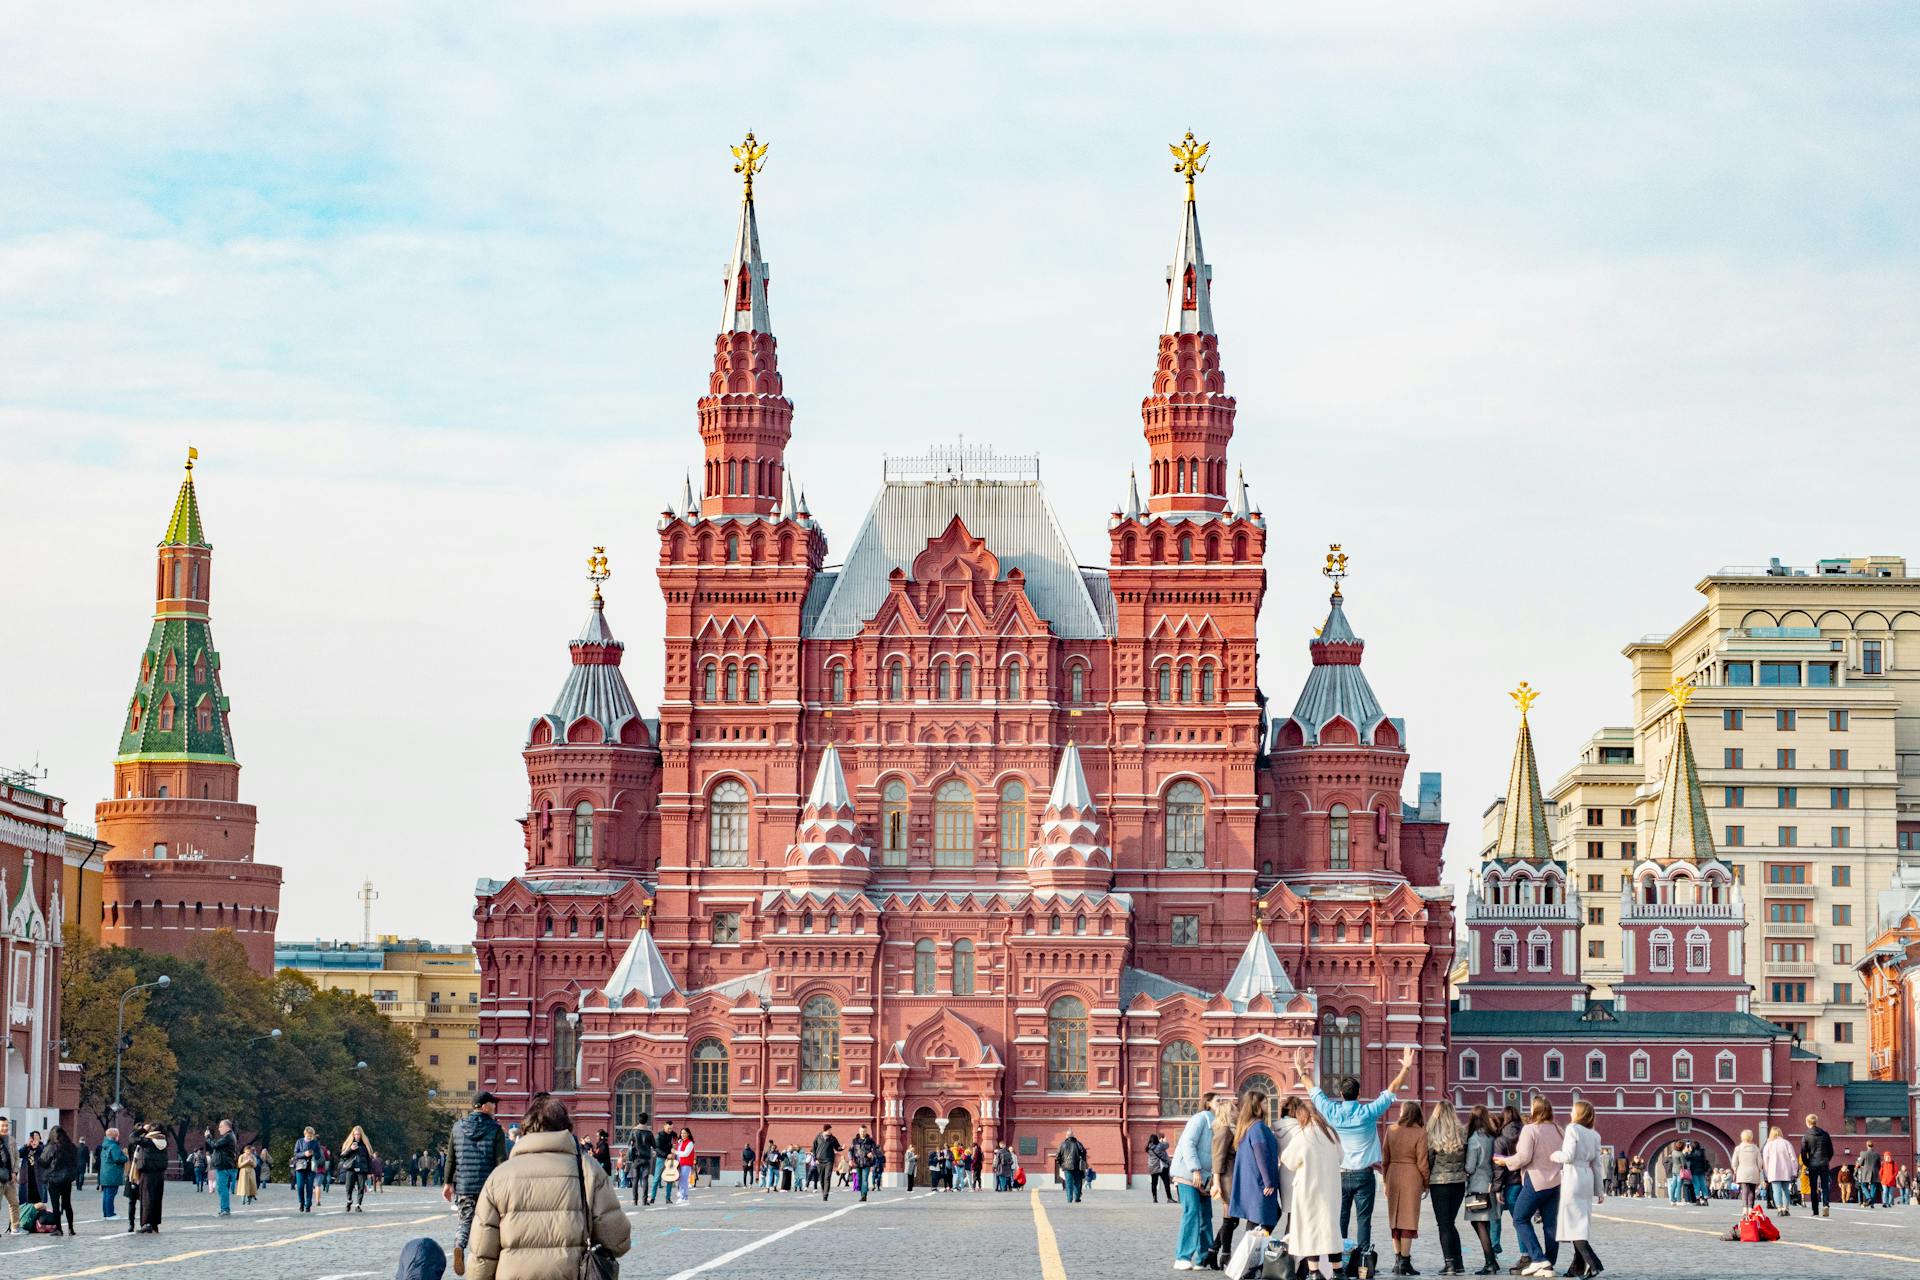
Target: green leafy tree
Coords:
[(91, 982)]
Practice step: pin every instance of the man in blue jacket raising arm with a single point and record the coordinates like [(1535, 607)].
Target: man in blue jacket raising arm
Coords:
[(1358, 1124)]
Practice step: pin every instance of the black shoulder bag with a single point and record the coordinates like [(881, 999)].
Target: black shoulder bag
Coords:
[(596, 1260)]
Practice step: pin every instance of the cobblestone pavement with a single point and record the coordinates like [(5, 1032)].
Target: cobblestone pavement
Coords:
[(744, 1235)]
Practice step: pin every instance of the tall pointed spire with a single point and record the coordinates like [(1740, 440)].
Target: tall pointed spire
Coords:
[(1188, 419), (1133, 495), (830, 783), (1680, 826), (183, 529), (1523, 824), (746, 280), (1243, 508)]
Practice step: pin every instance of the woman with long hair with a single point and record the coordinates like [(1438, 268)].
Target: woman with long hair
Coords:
[(1482, 1209), (683, 1155), (1539, 1194), (1312, 1156), (59, 1166), (1225, 1143), (356, 1161), (1256, 1165), (1506, 1128), (1579, 1154), (1447, 1181), (1408, 1162)]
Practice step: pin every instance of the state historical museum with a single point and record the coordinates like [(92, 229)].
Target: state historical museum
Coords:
[(960, 830)]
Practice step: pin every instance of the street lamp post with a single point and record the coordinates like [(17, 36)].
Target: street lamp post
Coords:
[(120, 1033), (271, 1035)]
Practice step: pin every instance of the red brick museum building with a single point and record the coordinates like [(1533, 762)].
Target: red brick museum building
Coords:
[(958, 829)]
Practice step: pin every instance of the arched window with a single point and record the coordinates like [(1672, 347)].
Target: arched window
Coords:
[(169, 669), (820, 1045), (1013, 823), (1179, 1079), (1539, 950), (1260, 1082), (753, 682), (896, 681), (733, 548), (953, 825), (566, 1052), (1186, 682), (1469, 1065), (1339, 839), (710, 681), (733, 683), (1186, 826), (1699, 951), (1186, 548), (837, 679), (1660, 951), (709, 1091), (923, 967), (632, 1102), (727, 826), (204, 715), (1013, 680), (1076, 683), (1067, 1046), (1206, 683), (1163, 686), (1339, 1045), (966, 679), (166, 714), (893, 824), (583, 834), (963, 967), (942, 681), (1506, 951)]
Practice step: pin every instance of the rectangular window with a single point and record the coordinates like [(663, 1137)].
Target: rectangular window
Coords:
[(1596, 884), (1739, 673), (1796, 1028), (1596, 817), (1870, 657), (1596, 848), (1736, 837), (1786, 873), (1820, 675), (1840, 798), (1840, 837), (726, 927), (1629, 849), (1786, 913), (433, 1059), (1843, 953), (1785, 758), (1626, 818), (1789, 838), (1787, 797), (1723, 1070), (1640, 1065), (1736, 798), (1510, 1067), (1596, 949), (1596, 915), (1837, 758), (1787, 952), (1733, 758), (1682, 1069), (1842, 877), (1785, 720), (1843, 993), (1843, 1033), (1788, 992), (1779, 674), (1553, 1067), (1616, 755), (1186, 931), (1732, 718)]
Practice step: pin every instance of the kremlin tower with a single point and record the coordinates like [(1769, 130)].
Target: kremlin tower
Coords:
[(181, 866)]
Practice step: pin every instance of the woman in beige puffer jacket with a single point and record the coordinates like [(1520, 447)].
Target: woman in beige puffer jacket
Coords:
[(531, 1222)]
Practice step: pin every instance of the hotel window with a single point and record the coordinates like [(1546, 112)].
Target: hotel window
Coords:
[(1787, 797), (1837, 758), (1787, 952), (1013, 824), (1785, 758), (953, 825), (726, 927), (1789, 838), (893, 824), (1842, 992), (1186, 826), (1785, 720), (1732, 718), (1840, 798), (923, 967), (1736, 837), (1596, 949), (1733, 758), (1843, 1033), (1736, 798), (1786, 913), (1739, 673), (1339, 839), (1820, 675), (1843, 953), (896, 681), (963, 967), (1870, 657), (1787, 992), (1840, 837), (1596, 817), (1842, 877), (1837, 721), (1596, 915), (1013, 681), (1779, 673), (1596, 848), (1786, 873), (1186, 931)]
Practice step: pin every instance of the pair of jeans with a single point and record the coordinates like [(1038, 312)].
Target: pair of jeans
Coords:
[(686, 1181), (1447, 1199), (1074, 1177), (223, 1180), (1357, 1187), (1547, 1204), (659, 1177), (1196, 1224), (1700, 1187), (1777, 1194), (356, 1187), (303, 1189), (1502, 1202), (107, 1208)]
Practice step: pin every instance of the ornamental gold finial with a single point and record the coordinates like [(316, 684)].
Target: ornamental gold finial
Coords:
[(1260, 914), (749, 158), (1336, 566), (1192, 157), (1524, 697), (1682, 692), (192, 453), (597, 571)]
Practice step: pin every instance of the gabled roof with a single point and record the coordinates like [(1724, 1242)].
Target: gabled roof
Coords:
[(1013, 518)]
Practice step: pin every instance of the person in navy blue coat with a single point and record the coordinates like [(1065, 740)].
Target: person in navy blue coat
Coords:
[(1256, 1166)]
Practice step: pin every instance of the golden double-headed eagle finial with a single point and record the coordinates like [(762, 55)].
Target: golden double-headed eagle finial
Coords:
[(1336, 566), (1192, 157), (749, 158), (597, 571), (1524, 697), (1681, 691)]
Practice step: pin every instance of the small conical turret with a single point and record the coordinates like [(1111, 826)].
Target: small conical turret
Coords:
[(1071, 854), (827, 852)]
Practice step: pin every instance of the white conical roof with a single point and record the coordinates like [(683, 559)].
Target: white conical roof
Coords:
[(1187, 256), (830, 783), (752, 317), (1070, 783), (642, 972), (1244, 506), (1259, 973), (1133, 495)]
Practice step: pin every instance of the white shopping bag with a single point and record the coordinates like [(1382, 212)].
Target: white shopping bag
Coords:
[(1247, 1255)]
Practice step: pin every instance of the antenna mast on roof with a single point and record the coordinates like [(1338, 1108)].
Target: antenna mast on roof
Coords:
[(367, 897)]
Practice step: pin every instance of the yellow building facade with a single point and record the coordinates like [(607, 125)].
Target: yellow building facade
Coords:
[(432, 991)]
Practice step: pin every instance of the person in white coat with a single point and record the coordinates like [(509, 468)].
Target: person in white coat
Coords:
[(1580, 1189), (1310, 1172), (1781, 1164)]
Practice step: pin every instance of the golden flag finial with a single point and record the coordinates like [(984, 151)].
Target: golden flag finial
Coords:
[(192, 453), (1336, 566), (646, 912), (749, 158), (1682, 692), (1524, 697), (597, 571), (1192, 157), (1260, 914)]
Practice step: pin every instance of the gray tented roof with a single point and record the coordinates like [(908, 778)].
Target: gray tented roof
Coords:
[(1014, 519)]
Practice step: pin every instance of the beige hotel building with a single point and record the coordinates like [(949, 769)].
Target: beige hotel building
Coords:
[(1806, 725)]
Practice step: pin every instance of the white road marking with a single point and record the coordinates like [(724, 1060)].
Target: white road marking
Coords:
[(36, 1249), (761, 1243), (347, 1275)]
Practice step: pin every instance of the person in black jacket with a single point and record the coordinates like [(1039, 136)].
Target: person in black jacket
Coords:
[(826, 1152), (1816, 1153), (151, 1159), (59, 1166), (32, 1190), (356, 1160), (864, 1154), (665, 1169), (8, 1176), (223, 1157), (640, 1161), (476, 1148)]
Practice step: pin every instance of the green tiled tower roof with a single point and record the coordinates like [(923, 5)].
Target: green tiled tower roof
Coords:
[(168, 720), (184, 530)]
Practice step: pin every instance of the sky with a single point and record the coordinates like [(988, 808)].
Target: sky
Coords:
[(1542, 310)]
